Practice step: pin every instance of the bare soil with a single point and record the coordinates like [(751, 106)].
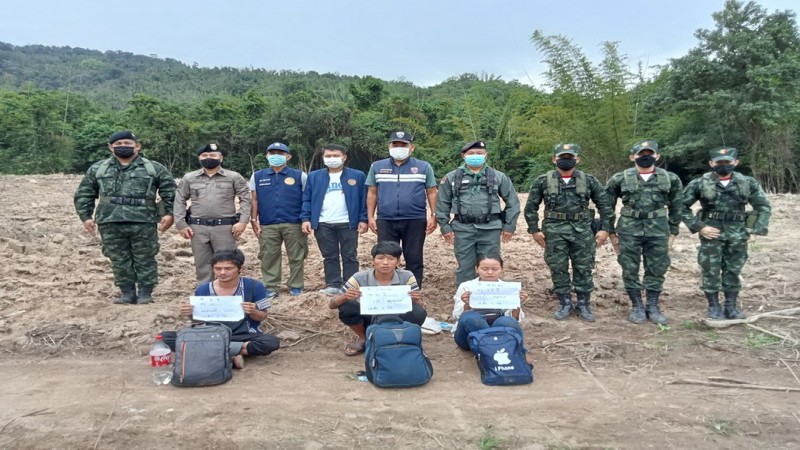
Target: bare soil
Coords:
[(76, 375)]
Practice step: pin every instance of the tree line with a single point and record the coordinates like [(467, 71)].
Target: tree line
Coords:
[(739, 86)]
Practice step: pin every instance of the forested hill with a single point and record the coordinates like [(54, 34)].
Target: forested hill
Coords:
[(739, 86)]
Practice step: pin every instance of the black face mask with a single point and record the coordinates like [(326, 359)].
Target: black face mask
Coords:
[(646, 161), (566, 163), (723, 169), (123, 152), (210, 163)]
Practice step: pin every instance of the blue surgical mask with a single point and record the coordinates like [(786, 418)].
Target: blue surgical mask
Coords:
[(276, 160), (475, 160)]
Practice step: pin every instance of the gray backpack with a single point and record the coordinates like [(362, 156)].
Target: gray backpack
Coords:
[(202, 356)]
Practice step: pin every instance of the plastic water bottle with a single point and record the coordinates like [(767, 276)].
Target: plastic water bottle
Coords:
[(161, 361)]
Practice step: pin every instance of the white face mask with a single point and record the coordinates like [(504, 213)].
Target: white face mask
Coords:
[(333, 162), (399, 153)]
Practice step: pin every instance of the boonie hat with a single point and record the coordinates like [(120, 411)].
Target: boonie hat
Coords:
[(720, 153), (119, 135), (644, 145), (209, 148), (571, 149), (401, 136), (278, 146), (473, 144)]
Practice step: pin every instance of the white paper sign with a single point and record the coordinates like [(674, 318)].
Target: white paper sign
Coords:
[(385, 299), (217, 309), (495, 295)]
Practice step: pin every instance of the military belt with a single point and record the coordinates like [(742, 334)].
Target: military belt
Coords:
[(479, 220), (630, 212), (131, 201), (583, 215), (730, 216), (212, 222)]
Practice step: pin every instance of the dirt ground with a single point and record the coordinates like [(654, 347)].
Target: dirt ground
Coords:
[(75, 372)]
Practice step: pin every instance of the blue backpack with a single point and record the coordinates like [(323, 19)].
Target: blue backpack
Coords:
[(500, 355), (394, 356)]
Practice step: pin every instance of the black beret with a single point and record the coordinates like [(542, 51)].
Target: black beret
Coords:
[(126, 134), (209, 148), (473, 144)]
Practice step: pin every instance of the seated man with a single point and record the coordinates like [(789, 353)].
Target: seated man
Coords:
[(385, 257), (246, 339)]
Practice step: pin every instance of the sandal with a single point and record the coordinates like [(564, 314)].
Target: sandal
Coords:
[(354, 348)]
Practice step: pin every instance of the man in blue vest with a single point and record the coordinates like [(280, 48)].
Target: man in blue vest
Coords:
[(398, 188), (335, 211), (276, 200)]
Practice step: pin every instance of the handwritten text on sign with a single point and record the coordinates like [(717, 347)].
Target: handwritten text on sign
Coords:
[(495, 295), (217, 309), (385, 300)]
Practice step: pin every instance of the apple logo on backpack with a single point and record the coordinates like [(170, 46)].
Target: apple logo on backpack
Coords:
[(501, 356)]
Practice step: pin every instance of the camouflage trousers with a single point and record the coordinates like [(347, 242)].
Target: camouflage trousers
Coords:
[(722, 262), (560, 250), (132, 248), (653, 252)]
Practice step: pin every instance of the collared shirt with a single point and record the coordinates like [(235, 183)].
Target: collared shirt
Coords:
[(400, 277), (212, 197)]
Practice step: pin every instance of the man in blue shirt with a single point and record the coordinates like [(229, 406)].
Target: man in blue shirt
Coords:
[(398, 187), (335, 211), (276, 200)]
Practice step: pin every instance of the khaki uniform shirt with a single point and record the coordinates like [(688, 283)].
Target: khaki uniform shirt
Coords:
[(212, 197)]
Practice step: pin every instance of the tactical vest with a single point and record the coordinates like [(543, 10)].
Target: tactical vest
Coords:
[(631, 182), (554, 186), (708, 187), (149, 196), (489, 180)]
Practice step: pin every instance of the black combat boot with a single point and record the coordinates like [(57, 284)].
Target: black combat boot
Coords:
[(128, 296), (566, 308), (584, 309), (731, 311), (145, 294), (714, 310), (653, 313), (638, 315)]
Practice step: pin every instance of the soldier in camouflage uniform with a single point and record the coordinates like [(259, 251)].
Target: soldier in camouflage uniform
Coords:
[(649, 220), (468, 209), (566, 233), (724, 227), (125, 187)]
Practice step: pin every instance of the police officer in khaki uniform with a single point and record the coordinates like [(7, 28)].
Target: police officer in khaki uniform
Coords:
[(468, 209), (212, 222)]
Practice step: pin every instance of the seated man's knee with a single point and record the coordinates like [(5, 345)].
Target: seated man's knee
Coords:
[(350, 313), (169, 338), (262, 345), (417, 315)]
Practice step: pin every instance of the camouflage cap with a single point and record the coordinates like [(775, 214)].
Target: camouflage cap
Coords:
[(208, 148), (644, 145), (719, 153), (572, 149)]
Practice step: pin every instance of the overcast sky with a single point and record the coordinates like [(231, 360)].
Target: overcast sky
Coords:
[(422, 41)]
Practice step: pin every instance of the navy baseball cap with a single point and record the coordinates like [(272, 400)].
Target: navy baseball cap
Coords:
[(279, 146), (401, 136)]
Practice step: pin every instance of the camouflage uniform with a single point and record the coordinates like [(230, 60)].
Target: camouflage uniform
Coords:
[(567, 226), (475, 224), (723, 207), (651, 211), (126, 214)]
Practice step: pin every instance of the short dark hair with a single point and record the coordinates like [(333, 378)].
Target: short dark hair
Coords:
[(390, 248), (489, 255), (235, 256), (337, 147)]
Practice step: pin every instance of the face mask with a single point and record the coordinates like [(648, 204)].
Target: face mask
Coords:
[(475, 160), (399, 153), (723, 169), (566, 163), (646, 161), (333, 162), (276, 160), (210, 163), (123, 152)]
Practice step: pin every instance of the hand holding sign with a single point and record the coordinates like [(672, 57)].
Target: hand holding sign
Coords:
[(217, 309), (385, 300), (495, 295)]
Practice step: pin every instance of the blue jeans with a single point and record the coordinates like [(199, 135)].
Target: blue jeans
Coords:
[(472, 321)]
